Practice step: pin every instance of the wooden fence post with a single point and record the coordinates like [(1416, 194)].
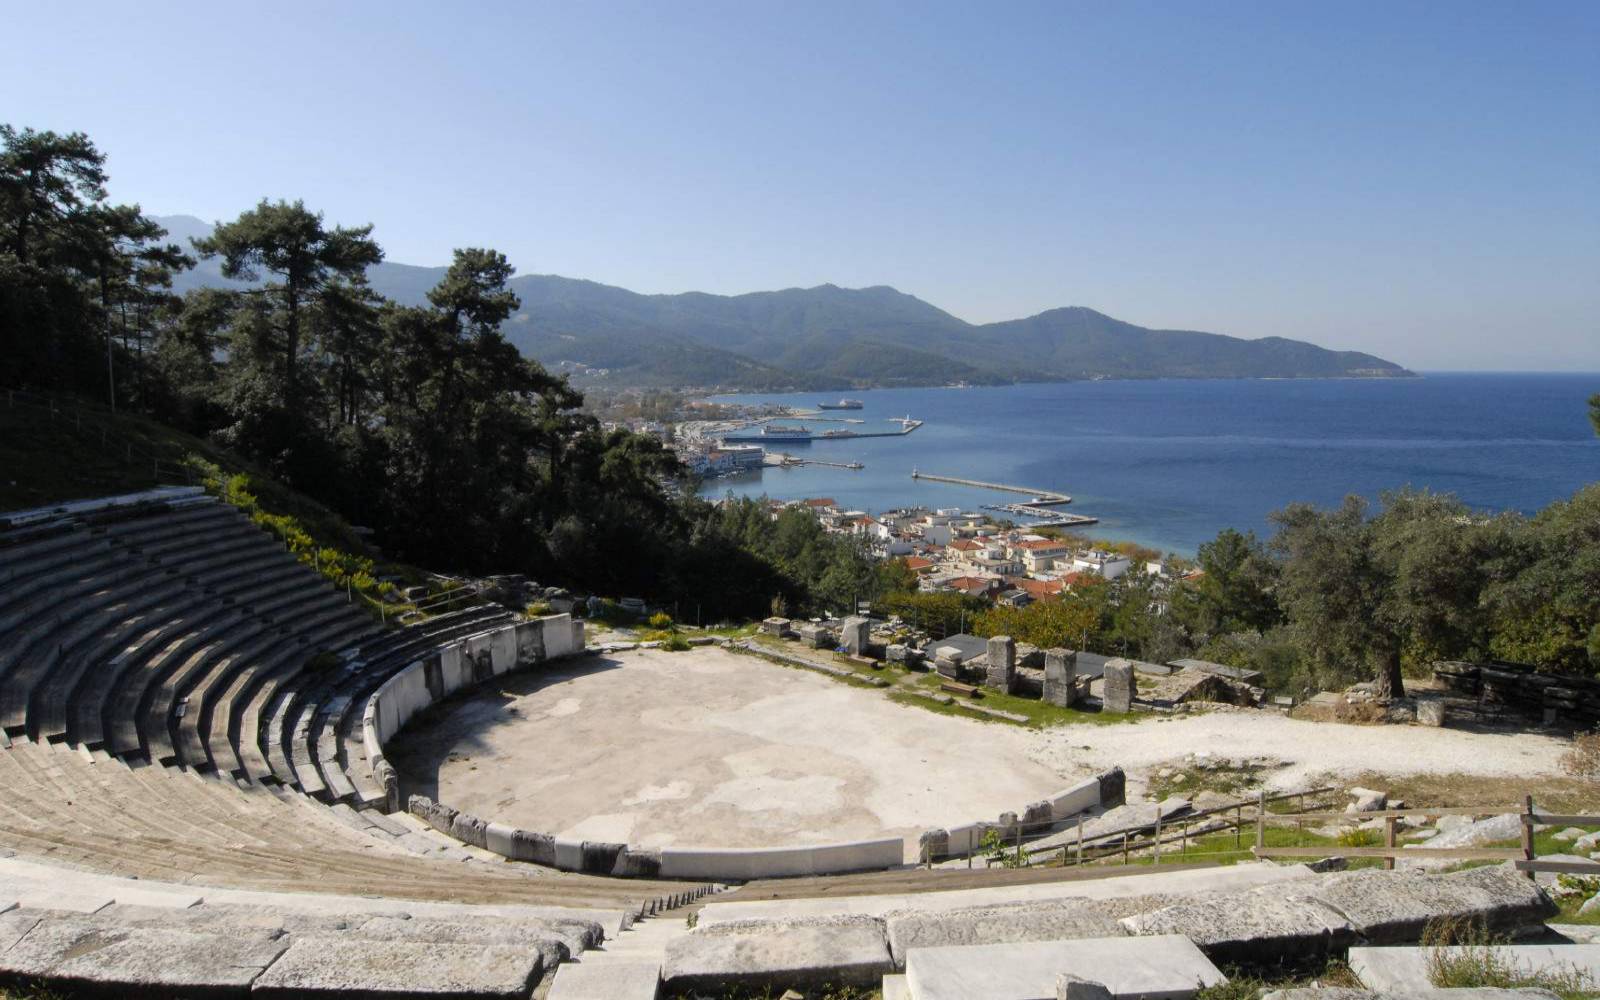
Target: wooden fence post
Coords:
[(1080, 838), (1388, 841), (1528, 852), (1156, 856), (1261, 819)]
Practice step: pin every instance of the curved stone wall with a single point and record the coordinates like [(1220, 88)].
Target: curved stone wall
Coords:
[(1103, 791), (448, 669), (479, 658)]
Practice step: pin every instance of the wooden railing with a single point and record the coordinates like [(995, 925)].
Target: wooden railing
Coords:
[(1525, 856), (1151, 837)]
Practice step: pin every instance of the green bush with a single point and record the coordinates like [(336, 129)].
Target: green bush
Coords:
[(1358, 838), (676, 644), (661, 621)]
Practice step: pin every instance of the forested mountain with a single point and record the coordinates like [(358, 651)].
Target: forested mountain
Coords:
[(829, 337)]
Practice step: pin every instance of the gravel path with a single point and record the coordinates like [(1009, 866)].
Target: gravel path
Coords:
[(1306, 749)]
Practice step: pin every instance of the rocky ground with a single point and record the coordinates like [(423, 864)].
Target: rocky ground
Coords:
[(1288, 754)]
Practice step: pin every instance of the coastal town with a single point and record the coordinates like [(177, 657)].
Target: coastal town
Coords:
[(956, 551)]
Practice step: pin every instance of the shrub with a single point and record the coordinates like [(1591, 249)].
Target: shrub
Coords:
[(1358, 837), (661, 621), (537, 609), (676, 644)]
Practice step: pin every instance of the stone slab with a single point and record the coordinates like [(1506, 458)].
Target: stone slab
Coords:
[(1015, 923), (780, 954), (1261, 926), (607, 981), (13, 925), (896, 988), (1394, 907), (359, 969), (1406, 969), (554, 941), (1148, 882), (101, 957), (1154, 968)]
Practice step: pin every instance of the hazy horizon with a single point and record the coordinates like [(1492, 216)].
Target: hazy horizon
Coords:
[(1416, 181)]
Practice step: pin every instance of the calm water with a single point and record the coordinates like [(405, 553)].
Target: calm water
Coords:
[(1169, 463)]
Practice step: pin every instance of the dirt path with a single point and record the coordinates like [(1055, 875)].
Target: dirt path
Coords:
[(1305, 749)]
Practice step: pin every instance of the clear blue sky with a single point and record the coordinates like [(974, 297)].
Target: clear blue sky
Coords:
[(1419, 181)]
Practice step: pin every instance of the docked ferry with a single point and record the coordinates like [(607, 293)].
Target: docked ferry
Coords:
[(843, 404)]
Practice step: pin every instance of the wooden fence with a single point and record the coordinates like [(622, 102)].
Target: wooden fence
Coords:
[(1525, 856)]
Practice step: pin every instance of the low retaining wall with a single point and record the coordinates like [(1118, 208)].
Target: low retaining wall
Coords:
[(736, 864), (448, 669), (1104, 791)]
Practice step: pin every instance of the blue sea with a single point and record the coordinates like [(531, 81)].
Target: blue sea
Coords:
[(1169, 463)]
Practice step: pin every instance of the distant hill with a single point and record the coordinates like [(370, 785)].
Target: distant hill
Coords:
[(829, 337)]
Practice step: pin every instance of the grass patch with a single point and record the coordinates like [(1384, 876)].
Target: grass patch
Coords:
[(1189, 779), (827, 992), (1250, 984), (1466, 956), (1040, 714)]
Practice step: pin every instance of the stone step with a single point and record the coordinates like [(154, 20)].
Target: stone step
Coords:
[(345, 967), (1148, 882), (104, 959), (777, 955), (1407, 969), (594, 980), (1168, 967)]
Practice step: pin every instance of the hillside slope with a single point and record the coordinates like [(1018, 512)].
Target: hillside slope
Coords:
[(830, 337)]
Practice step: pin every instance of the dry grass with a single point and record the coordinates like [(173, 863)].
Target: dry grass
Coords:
[(1583, 760), (1355, 713), (1465, 956), (1562, 794)]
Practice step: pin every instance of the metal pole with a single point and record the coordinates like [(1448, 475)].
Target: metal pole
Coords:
[(1080, 838), (1156, 852)]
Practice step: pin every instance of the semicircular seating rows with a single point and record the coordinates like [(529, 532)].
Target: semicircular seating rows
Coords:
[(166, 715)]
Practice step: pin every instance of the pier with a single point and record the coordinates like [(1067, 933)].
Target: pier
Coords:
[(784, 461), (1041, 498), (1039, 507)]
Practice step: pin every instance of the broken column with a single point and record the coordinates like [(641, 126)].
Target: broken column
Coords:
[(1119, 687), (1060, 677), (775, 626), (854, 637), (1002, 673)]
